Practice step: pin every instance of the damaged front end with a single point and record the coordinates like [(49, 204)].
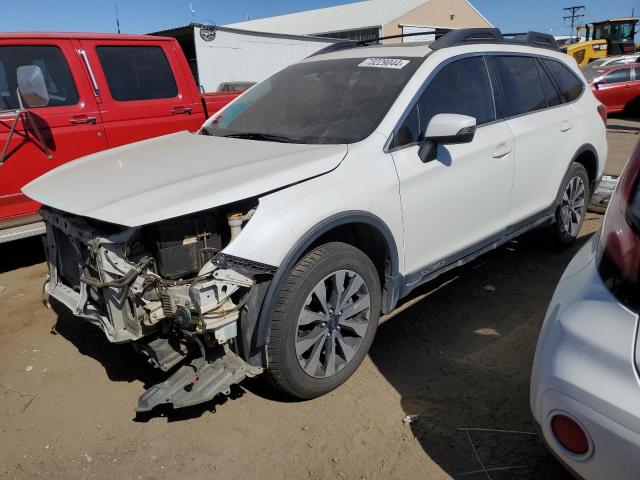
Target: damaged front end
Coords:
[(168, 288)]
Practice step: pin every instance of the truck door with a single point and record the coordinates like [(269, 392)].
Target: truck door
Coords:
[(69, 124), (144, 92)]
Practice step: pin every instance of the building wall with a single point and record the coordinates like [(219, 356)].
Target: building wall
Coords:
[(233, 56), (359, 34), (437, 13)]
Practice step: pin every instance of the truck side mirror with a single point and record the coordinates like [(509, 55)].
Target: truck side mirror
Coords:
[(32, 89)]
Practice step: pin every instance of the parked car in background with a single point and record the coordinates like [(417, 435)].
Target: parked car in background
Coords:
[(235, 86), (585, 390), (274, 238), (588, 69), (97, 92), (617, 86)]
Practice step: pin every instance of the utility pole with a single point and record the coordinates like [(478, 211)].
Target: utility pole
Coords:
[(573, 15), (115, 5)]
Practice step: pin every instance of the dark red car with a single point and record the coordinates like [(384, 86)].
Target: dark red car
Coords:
[(617, 86)]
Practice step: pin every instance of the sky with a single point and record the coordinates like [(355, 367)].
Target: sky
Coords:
[(144, 16)]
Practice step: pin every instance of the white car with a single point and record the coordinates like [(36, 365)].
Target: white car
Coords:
[(585, 385), (274, 238)]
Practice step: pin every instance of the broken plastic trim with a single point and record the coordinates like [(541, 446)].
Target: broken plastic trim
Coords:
[(197, 382), (229, 261)]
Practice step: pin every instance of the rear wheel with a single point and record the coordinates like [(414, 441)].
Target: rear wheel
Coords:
[(571, 206), (324, 321)]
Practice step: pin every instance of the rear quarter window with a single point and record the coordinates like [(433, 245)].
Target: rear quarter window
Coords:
[(569, 84), (137, 72)]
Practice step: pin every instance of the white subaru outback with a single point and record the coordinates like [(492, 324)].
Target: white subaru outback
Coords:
[(274, 238)]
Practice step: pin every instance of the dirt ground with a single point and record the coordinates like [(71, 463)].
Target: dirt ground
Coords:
[(456, 353)]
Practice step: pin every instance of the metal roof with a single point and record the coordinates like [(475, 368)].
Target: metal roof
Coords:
[(190, 29), (78, 35), (367, 14)]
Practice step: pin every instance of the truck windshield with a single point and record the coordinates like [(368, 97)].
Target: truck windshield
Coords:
[(317, 102)]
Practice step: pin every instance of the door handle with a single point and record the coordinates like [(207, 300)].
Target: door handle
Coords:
[(181, 110), (566, 126), (502, 151), (82, 120)]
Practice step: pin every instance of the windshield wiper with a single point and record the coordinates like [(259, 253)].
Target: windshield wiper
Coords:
[(263, 136)]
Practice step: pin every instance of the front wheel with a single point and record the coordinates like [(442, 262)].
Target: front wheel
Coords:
[(324, 321), (571, 206)]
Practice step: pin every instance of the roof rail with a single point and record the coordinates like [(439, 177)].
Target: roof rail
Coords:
[(334, 47), (537, 39), (451, 38), (467, 36)]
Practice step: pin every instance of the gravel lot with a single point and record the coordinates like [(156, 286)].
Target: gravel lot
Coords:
[(455, 353)]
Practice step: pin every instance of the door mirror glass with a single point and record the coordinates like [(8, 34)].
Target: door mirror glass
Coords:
[(32, 87)]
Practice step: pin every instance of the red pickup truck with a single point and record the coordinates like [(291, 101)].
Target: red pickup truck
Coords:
[(66, 95)]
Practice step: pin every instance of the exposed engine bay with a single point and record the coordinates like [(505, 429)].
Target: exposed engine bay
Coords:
[(165, 286)]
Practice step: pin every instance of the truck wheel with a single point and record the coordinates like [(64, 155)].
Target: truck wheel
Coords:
[(324, 321), (571, 206)]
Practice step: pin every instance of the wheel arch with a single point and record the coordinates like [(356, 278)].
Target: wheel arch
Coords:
[(587, 156), (360, 229)]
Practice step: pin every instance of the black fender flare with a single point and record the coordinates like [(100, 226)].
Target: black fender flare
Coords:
[(587, 147), (391, 288)]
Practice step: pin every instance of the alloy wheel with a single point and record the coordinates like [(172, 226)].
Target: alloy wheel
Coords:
[(572, 206), (332, 324)]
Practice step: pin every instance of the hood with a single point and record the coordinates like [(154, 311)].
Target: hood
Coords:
[(178, 174)]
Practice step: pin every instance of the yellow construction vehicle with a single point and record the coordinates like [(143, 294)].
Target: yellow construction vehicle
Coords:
[(602, 39)]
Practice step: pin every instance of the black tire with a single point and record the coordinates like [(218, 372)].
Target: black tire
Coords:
[(560, 235), (323, 264)]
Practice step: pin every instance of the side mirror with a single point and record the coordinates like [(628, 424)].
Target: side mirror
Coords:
[(446, 129), (32, 89)]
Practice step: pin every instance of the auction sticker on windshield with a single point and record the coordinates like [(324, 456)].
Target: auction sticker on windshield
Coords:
[(393, 63)]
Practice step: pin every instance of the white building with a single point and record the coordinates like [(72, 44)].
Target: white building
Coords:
[(372, 19), (221, 54), (254, 50)]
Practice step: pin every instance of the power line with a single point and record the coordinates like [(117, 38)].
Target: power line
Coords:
[(573, 15)]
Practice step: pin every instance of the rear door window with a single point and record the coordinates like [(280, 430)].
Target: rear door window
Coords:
[(570, 85), (57, 76), (618, 76), (550, 90), (520, 85), (137, 73)]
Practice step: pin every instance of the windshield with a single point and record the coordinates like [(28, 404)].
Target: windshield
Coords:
[(616, 32), (602, 30), (318, 102)]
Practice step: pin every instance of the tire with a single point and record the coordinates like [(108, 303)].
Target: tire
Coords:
[(571, 207), (311, 348)]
